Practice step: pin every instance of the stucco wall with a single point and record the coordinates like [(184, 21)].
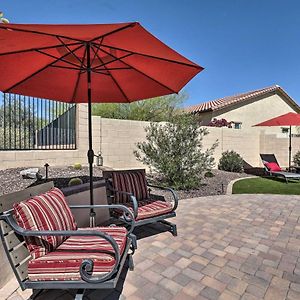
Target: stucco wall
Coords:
[(116, 140), (253, 112)]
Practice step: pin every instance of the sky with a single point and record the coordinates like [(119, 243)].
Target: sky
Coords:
[(242, 44)]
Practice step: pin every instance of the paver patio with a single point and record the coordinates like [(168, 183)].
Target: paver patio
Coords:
[(228, 247)]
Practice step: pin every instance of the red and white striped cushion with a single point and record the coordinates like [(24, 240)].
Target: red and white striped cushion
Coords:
[(151, 208), (48, 211), (64, 262), (131, 182)]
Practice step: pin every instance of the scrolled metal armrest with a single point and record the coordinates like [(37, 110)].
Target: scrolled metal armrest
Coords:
[(87, 265), (126, 210), (174, 194), (132, 199)]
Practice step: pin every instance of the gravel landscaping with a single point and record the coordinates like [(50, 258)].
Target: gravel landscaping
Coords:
[(11, 180)]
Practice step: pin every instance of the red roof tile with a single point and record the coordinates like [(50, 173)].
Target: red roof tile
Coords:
[(231, 100)]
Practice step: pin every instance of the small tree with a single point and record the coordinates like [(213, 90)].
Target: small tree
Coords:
[(155, 109), (2, 19), (175, 150)]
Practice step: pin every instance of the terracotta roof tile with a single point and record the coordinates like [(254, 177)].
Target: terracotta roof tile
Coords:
[(230, 100)]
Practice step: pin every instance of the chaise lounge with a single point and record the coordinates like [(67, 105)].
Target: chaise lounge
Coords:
[(272, 168)]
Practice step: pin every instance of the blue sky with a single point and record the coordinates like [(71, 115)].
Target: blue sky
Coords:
[(242, 44)]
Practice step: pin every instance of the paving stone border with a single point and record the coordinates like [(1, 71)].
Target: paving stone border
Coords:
[(231, 183)]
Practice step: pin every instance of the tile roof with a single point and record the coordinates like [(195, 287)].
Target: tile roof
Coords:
[(231, 100)]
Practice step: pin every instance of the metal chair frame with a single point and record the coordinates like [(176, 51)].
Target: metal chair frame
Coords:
[(18, 256)]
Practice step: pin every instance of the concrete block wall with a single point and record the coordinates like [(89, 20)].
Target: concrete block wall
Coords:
[(116, 140)]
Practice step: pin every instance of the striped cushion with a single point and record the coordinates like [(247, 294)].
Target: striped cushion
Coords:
[(131, 182), (151, 208), (48, 211), (64, 262)]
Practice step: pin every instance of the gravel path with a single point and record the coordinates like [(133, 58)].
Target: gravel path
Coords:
[(11, 180)]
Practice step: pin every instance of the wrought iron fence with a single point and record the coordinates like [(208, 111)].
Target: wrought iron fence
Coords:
[(28, 123)]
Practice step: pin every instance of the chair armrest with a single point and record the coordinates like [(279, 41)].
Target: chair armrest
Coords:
[(87, 265), (131, 198), (174, 194), (125, 209)]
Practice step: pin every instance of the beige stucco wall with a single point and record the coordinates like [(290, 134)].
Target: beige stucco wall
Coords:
[(116, 139), (253, 112)]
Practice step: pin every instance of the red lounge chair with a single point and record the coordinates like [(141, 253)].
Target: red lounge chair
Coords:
[(130, 188), (272, 168), (46, 250)]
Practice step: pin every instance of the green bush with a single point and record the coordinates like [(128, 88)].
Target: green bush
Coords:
[(77, 166), (175, 151), (209, 174), (296, 159), (231, 162), (75, 181)]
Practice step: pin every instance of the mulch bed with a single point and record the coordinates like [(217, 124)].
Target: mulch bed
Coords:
[(12, 181)]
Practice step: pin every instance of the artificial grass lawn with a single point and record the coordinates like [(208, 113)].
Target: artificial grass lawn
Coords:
[(266, 185)]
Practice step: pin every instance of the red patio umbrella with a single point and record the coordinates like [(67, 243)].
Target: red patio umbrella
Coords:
[(290, 119), (89, 63)]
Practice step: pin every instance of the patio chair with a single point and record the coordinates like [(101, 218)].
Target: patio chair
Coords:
[(46, 250), (130, 188), (272, 168)]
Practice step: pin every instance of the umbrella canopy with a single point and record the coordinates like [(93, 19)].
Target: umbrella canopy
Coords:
[(127, 63), (89, 63), (289, 119)]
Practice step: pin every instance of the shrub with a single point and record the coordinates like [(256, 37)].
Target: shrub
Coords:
[(220, 123), (75, 181), (174, 150), (231, 162), (296, 159), (209, 174), (77, 166)]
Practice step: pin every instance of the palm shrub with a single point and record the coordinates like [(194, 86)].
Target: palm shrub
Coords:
[(174, 150), (231, 161), (296, 158)]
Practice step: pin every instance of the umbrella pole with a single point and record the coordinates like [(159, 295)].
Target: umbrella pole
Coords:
[(290, 148), (90, 153)]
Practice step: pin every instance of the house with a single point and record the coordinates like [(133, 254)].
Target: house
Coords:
[(247, 109)]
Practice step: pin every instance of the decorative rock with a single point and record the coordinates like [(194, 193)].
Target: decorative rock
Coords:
[(30, 173)]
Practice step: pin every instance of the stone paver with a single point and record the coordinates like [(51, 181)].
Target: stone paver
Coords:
[(228, 247)]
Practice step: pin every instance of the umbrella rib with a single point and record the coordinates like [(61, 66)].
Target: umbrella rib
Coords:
[(78, 77), (41, 48), (115, 59), (8, 27), (64, 67), (96, 52), (153, 56), (73, 54), (112, 77), (38, 71), (112, 32), (52, 56), (142, 73)]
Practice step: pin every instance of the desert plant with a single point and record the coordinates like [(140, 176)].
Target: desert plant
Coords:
[(231, 161), (175, 151), (77, 166), (296, 159), (75, 181)]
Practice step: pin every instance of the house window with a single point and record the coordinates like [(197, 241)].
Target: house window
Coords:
[(284, 129), (237, 125)]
